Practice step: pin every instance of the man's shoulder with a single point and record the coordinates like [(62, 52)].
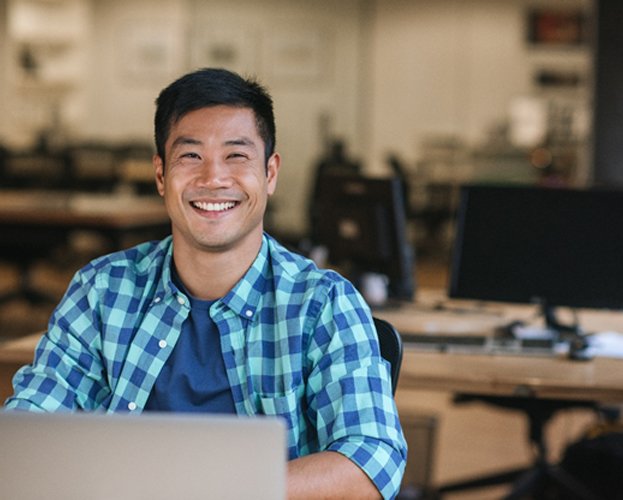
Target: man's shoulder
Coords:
[(290, 264), (139, 259), (295, 274)]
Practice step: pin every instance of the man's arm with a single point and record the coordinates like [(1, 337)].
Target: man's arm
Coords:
[(326, 475), (349, 395), (66, 373)]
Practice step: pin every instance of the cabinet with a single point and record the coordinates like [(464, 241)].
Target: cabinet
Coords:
[(46, 53), (560, 54), (47, 42)]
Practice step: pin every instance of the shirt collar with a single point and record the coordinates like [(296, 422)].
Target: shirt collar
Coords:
[(166, 286), (245, 298)]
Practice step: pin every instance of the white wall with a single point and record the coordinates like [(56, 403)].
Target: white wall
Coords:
[(322, 83), (308, 55), (451, 67), (3, 64), (121, 88), (383, 74)]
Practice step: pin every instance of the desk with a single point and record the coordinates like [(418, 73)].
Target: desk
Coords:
[(14, 354), (549, 377), (600, 379), (29, 210), (539, 386), (33, 223), (428, 377)]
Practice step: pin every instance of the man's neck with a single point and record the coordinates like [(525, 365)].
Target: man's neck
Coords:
[(211, 275)]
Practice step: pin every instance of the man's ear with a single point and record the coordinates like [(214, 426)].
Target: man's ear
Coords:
[(272, 172), (158, 164)]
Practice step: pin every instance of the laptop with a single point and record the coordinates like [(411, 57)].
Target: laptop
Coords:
[(148, 457)]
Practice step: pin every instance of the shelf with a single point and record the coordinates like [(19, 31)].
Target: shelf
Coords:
[(47, 41), (48, 22)]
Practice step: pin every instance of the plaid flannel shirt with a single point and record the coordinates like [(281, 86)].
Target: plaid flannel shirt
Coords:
[(297, 341)]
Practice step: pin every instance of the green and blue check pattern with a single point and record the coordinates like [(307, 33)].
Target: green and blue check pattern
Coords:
[(298, 342)]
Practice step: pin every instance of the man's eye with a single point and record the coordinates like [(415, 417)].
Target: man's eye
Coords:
[(190, 155), (237, 155)]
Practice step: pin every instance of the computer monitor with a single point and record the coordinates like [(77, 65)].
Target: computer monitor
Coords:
[(362, 223), (548, 246)]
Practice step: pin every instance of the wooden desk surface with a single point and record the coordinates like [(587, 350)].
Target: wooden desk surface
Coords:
[(600, 379), (13, 355), (434, 313), (65, 209), (19, 351)]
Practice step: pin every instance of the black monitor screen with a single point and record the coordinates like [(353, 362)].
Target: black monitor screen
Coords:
[(362, 223), (556, 247)]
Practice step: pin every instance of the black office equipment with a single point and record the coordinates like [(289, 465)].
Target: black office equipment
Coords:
[(362, 223), (479, 343), (334, 161), (548, 246)]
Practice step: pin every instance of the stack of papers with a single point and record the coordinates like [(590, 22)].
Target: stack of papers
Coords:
[(606, 344)]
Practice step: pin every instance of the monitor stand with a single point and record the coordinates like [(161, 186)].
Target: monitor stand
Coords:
[(555, 331), (571, 333)]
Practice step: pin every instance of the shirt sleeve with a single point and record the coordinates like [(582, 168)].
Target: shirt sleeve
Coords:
[(349, 391), (67, 372)]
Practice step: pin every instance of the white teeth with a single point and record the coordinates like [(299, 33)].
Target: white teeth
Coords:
[(214, 207)]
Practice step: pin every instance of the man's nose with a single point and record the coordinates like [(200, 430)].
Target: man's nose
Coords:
[(213, 173)]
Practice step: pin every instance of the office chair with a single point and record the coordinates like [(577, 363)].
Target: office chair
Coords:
[(391, 348), (390, 343), (537, 480)]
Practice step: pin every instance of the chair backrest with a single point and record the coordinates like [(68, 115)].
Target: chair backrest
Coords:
[(391, 347)]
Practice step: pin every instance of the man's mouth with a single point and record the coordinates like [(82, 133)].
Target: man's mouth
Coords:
[(213, 207)]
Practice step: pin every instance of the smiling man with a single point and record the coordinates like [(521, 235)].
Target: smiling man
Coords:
[(219, 317)]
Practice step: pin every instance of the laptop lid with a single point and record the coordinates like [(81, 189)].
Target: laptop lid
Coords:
[(146, 457)]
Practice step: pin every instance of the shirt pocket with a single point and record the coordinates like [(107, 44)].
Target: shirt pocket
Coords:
[(287, 406)]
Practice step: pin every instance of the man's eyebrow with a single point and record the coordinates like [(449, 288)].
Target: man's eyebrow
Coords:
[(240, 141), (183, 140)]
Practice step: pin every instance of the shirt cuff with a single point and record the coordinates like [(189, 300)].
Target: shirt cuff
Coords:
[(381, 462)]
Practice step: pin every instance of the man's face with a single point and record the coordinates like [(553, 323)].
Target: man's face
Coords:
[(214, 181)]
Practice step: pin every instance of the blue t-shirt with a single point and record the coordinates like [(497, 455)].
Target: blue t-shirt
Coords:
[(194, 379)]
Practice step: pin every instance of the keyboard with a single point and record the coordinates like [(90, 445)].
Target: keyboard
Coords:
[(479, 344)]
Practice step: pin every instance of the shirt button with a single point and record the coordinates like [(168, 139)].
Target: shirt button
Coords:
[(162, 344), (131, 406), (157, 299), (248, 313), (181, 301)]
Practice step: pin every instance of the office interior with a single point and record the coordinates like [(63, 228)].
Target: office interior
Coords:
[(452, 91)]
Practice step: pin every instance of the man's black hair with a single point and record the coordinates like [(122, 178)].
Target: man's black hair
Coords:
[(213, 87)]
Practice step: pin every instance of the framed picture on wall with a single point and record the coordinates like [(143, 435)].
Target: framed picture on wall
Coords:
[(556, 27), (223, 46), (148, 52), (298, 55)]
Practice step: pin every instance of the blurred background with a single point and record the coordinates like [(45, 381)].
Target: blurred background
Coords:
[(440, 92), (436, 92)]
